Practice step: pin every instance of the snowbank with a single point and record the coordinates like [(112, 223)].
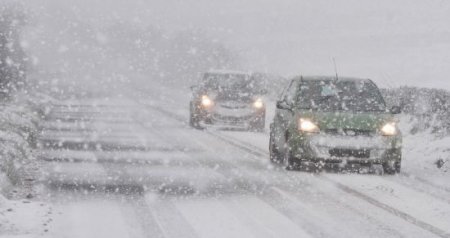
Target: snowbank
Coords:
[(426, 131), (23, 218), (18, 168), (18, 131), (426, 154), (19, 119)]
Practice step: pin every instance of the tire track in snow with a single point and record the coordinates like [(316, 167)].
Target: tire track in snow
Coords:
[(343, 209), (405, 216), (166, 214), (421, 187), (144, 220), (139, 217), (156, 217), (239, 180), (446, 189)]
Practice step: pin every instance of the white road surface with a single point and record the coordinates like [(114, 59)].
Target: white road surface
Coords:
[(132, 168)]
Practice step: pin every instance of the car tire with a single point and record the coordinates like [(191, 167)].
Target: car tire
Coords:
[(259, 124), (289, 161), (392, 169), (275, 156), (194, 121)]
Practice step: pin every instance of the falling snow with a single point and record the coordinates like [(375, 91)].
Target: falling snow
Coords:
[(202, 118)]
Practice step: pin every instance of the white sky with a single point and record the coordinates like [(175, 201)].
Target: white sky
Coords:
[(394, 42)]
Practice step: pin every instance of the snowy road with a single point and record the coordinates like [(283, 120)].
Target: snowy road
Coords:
[(127, 168)]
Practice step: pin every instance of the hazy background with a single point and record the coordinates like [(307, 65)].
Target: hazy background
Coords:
[(394, 42)]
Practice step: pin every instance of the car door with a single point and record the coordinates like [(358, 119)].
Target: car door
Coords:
[(284, 114)]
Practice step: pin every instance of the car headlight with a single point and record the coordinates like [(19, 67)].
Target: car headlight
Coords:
[(389, 129), (206, 101), (306, 125), (258, 104)]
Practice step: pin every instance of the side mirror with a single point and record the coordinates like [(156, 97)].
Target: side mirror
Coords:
[(395, 110), (283, 105)]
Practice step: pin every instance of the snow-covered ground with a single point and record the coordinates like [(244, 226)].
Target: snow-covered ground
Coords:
[(422, 152), (129, 166), (24, 218), (20, 215)]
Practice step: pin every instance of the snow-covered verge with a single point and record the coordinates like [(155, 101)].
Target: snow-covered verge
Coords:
[(426, 154), (18, 131), (426, 131), (429, 108), (23, 218), (19, 214)]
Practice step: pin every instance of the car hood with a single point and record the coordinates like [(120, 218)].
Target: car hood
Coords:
[(233, 96), (348, 120)]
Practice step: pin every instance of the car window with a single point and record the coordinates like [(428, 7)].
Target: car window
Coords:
[(283, 92), (291, 92), (340, 96), (232, 83)]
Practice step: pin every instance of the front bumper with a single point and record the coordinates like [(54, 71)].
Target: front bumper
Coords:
[(376, 149), (236, 120), (233, 117)]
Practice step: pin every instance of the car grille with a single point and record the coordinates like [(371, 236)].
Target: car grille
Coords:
[(234, 106), (232, 118), (363, 153), (349, 132)]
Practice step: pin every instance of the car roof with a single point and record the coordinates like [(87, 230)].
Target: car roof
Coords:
[(330, 78), (228, 72)]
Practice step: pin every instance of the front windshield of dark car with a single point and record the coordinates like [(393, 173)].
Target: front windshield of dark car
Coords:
[(231, 82), (358, 96)]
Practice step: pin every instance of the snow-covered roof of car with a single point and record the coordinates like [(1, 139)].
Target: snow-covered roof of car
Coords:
[(329, 78), (228, 72)]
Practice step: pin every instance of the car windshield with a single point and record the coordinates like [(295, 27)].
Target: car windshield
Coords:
[(359, 96), (240, 83)]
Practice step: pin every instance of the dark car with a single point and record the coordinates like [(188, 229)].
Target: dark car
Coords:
[(328, 122), (230, 99)]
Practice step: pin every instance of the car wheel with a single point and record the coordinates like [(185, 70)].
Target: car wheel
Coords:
[(258, 124), (290, 162), (392, 168), (193, 118), (275, 156)]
